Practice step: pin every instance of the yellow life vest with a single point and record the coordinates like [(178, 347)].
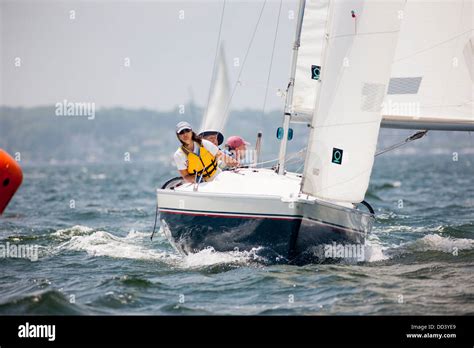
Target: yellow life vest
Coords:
[(205, 164)]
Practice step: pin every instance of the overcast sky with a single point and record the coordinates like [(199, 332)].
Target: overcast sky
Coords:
[(82, 59)]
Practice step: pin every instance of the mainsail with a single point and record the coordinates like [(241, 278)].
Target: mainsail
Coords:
[(355, 70), (433, 70), (216, 114)]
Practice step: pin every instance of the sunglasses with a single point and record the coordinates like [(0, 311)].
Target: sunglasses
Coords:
[(184, 131)]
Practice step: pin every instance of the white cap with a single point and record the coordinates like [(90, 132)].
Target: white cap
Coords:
[(183, 125)]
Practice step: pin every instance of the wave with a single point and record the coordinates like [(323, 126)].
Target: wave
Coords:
[(463, 230), (210, 257), (136, 245), (423, 247), (134, 280), (77, 230), (405, 228), (386, 185), (49, 302), (390, 216), (458, 230), (435, 242), (101, 243), (376, 251)]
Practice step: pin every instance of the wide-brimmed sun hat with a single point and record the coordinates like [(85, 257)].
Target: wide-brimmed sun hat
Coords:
[(220, 137)]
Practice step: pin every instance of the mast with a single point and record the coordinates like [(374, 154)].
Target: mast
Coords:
[(289, 91)]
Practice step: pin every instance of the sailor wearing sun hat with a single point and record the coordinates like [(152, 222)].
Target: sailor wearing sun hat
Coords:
[(214, 136), (181, 126), (196, 158)]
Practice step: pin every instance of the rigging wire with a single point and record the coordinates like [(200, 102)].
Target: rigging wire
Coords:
[(416, 136), (245, 58), (294, 157), (271, 59), (290, 157)]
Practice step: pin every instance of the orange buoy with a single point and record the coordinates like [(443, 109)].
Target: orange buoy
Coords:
[(11, 177)]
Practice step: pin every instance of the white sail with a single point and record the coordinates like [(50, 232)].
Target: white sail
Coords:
[(309, 58), (433, 71), (355, 72), (216, 113)]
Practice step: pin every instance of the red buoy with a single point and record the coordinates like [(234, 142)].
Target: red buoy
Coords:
[(11, 177)]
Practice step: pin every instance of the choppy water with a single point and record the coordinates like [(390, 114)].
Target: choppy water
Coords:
[(95, 255)]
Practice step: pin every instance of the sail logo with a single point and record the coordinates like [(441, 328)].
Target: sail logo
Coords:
[(315, 72), (337, 156)]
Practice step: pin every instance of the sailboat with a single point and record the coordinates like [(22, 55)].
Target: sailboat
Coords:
[(217, 111), (350, 58)]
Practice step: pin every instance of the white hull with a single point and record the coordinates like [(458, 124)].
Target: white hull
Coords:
[(257, 208)]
